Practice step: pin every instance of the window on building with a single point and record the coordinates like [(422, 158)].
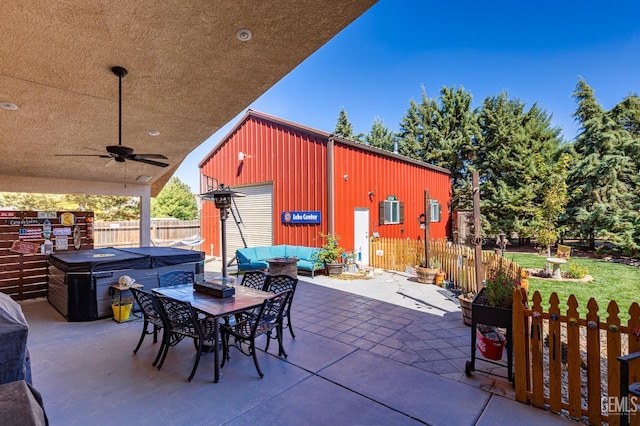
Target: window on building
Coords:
[(435, 211), (391, 212)]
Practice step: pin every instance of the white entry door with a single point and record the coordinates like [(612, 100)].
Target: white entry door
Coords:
[(361, 234)]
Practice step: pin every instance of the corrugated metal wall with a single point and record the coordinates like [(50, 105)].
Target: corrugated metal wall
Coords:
[(358, 172), (294, 159)]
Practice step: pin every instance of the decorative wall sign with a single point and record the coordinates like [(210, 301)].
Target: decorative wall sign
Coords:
[(46, 228), (62, 243), (77, 237), (32, 233), (47, 215), (24, 247), (301, 217), (67, 219), (89, 231), (62, 231)]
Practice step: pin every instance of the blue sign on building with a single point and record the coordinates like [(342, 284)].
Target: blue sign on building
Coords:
[(301, 217)]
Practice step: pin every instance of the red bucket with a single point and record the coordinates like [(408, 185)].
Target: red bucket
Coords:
[(490, 343)]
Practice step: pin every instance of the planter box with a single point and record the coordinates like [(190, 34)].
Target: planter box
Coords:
[(490, 315)]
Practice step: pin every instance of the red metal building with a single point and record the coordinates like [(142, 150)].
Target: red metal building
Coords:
[(299, 182)]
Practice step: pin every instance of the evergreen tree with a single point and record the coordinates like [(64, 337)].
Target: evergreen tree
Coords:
[(380, 136), (343, 128), (175, 200), (516, 158), (601, 180), (411, 134), (442, 132)]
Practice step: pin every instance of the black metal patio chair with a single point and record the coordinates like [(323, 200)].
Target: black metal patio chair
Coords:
[(151, 314), (175, 278), (278, 284), (182, 321), (254, 279), (249, 327)]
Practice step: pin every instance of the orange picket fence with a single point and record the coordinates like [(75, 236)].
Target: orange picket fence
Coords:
[(456, 260), (570, 363)]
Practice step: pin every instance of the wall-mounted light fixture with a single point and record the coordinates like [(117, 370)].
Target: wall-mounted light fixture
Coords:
[(143, 178), (242, 156), (371, 193), (345, 177)]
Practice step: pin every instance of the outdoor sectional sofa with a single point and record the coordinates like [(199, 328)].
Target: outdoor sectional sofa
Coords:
[(255, 258)]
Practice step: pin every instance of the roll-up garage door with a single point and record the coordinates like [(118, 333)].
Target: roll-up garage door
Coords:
[(254, 211)]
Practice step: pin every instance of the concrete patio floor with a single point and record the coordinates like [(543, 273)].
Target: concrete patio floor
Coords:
[(393, 356)]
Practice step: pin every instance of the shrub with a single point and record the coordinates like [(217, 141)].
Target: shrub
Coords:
[(577, 271)]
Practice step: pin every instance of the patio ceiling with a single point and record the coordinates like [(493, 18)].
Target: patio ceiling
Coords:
[(189, 75)]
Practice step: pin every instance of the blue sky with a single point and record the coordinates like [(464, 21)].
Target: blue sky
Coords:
[(535, 51)]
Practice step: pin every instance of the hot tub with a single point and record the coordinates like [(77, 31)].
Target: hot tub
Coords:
[(79, 281)]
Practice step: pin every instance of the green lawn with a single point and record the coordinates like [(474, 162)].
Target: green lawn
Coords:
[(612, 281)]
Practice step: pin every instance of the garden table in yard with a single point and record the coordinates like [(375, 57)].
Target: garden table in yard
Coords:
[(245, 298), (556, 262)]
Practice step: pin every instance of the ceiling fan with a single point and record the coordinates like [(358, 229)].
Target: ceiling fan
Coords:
[(121, 153)]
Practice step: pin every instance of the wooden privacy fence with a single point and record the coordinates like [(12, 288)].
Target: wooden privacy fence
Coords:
[(456, 260), (127, 233), (570, 363)]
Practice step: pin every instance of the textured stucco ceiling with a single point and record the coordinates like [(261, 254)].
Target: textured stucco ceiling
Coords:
[(188, 76)]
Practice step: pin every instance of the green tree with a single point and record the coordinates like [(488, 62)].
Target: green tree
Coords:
[(516, 157), (105, 208), (343, 128), (380, 136), (602, 179), (175, 200), (442, 132)]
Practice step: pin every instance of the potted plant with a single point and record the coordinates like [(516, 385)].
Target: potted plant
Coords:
[(426, 272), (330, 255), (121, 307)]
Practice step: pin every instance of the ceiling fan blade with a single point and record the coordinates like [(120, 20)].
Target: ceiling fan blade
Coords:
[(93, 149), (159, 156), (153, 163), (82, 155)]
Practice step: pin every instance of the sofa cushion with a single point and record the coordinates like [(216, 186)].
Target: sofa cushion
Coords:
[(278, 251), (306, 253), (245, 255), (263, 253), (308, 265)]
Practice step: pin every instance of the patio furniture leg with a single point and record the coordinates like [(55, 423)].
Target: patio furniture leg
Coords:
[(216, 351), (144, 333), (255, 357), (280, 332), (195, 365)]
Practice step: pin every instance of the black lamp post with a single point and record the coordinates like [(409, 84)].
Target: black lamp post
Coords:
[(222, 197), (502, 235)]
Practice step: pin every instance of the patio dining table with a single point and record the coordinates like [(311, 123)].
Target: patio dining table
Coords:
[(245, 298)]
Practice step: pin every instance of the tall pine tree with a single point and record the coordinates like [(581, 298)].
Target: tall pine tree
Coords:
[(343, 128), (600, 181)]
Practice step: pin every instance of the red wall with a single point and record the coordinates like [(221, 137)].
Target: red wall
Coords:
[(371, 171), (294, 159)]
